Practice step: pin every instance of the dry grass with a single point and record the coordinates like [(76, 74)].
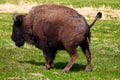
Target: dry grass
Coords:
[(88, 12), (108, 13), (21, 7)]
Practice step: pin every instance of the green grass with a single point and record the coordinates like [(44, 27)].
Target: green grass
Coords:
[(27, 63), (76, 3)]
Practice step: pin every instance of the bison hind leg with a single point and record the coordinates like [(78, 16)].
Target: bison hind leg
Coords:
[(85, 48), (73, 55)]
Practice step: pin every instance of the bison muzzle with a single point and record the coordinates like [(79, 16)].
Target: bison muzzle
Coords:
[(53, 27)]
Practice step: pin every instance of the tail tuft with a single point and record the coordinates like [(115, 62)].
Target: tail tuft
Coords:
[(99, 15)]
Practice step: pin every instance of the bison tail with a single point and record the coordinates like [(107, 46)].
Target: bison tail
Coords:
[(98, 16)]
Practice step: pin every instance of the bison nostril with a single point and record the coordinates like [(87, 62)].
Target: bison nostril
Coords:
[(19, 43)]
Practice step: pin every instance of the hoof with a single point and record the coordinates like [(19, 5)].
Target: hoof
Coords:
[(52, 65), (88, 70), (46, 68), (65, 70)]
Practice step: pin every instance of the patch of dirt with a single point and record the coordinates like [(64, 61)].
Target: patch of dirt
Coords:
[(108, 13), (20, 8), (88, 12)]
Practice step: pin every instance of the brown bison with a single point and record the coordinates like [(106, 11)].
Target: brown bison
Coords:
[(53, 27)]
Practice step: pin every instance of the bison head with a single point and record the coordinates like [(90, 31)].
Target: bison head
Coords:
[(18, 31)]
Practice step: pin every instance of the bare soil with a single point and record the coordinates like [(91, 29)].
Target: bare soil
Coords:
[(88, 12)]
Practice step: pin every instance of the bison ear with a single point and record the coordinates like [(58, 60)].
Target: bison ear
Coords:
[(18, 20)]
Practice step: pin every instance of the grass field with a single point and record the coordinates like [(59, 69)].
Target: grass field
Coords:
[(27, 63)]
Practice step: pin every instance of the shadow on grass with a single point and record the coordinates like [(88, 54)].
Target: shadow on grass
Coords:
[(76, 67)]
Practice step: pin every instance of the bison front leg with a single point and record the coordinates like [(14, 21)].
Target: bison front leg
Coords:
[(49, 55), (48, 60), (85, 48)]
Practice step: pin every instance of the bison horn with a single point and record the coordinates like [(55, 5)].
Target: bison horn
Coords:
[(14, 17)]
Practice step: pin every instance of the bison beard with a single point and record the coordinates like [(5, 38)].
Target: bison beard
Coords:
[(52, 27)]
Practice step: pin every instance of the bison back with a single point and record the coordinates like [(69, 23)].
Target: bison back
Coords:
[(58, 23)]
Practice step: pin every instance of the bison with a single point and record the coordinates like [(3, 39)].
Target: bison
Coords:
[(53, 27)]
